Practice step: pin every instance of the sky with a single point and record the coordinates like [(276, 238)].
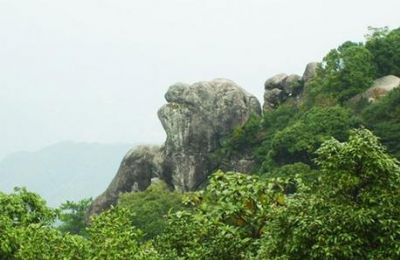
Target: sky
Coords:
[(97, 70)]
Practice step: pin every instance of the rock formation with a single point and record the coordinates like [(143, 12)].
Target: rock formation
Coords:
[(279, 88), (136, 171), (282, 87), (195, 119)]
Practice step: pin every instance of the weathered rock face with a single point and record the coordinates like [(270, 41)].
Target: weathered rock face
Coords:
[(195, 119), (379, 89), (137, 169), (279, 88)]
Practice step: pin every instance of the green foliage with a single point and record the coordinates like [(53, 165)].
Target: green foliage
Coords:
[(150, 208), (291, 170), (72, 216), (112, 236), (345, 72), (23, 208), (384, 46), (228, 221), (42, 242), (298, 141), (26, 231), (273, 122), (244, 137), (383, 118), (355, 213), (287, 135), (255, 137), (190, 236), (17, 211)]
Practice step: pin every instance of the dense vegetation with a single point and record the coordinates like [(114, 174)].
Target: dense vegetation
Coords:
[(325, 185)]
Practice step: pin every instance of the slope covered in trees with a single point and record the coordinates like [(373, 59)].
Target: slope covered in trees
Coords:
[(292, 132)]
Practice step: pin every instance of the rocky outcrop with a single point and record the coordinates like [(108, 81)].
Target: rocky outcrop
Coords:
[(279, 88), (136, 171), (282, 87), (379, 89), (195, 119)]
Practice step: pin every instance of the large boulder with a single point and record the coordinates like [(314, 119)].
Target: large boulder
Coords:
[(139, 166), (195, 119), (379, 89)]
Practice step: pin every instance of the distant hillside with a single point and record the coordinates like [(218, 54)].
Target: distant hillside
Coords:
[(63, 171)]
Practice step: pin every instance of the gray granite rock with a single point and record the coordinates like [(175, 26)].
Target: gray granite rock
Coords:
[(195, 119)]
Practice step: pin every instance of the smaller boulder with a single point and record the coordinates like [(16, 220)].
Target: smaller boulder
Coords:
[(279, 88), (137, 171), (379, 89)]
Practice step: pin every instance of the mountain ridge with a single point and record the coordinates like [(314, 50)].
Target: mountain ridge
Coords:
[(63, 171)]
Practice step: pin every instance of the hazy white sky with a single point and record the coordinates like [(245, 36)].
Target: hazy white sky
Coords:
[(97, 70)]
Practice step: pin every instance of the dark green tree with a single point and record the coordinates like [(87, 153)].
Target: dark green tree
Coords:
[(72, 215), (384, 45)]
